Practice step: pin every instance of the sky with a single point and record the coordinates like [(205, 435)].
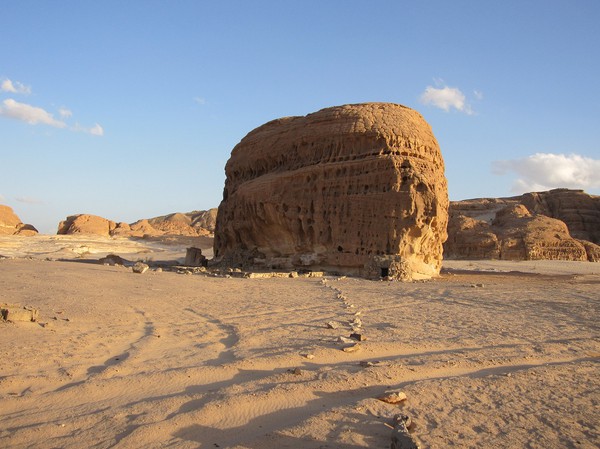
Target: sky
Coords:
[(130, 109)]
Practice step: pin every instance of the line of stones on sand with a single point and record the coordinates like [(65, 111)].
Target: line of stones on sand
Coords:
[(401, 437)]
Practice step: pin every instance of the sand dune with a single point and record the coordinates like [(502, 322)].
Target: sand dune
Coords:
[(488, 357)]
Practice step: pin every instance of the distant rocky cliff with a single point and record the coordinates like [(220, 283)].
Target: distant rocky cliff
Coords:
[(560, 224), (197, 223), (10, 223)]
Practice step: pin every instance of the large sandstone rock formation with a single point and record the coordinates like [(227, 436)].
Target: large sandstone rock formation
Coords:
[(557, 225), (87, 224), (579, 211), (10, 223), (192, 224), (356, 189)]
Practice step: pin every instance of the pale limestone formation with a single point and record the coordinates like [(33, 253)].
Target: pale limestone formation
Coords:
[(356, 189)]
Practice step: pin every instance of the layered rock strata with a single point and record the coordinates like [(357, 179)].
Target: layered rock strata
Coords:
[(559, 224), (356, 189)]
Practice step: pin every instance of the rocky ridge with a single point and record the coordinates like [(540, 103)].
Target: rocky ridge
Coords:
[(559, 224), (196, 223)]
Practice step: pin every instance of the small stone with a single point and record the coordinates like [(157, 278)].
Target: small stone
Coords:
[(346, 340), (401, 438), (358, 337), (140, 267), (308, 356), (393, 398), (295, 371), (333, 325), (366, 364), (353, 348)]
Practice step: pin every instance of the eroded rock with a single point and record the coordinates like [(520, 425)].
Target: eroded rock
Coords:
[(560, 224), (16, 312), (355, 189), (10, 223), (140, 267)]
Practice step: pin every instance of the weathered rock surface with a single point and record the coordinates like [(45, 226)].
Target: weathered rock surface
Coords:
[(578, 210), (197, 223), (86, 224), (508, 228), (358, 189), (10, 223), (195, 258), (16, 312)]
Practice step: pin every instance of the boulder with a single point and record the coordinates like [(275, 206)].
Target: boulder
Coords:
[(195, 258), (86, 224), (140, 268), (16, 312), (10, 223), (355, 189)]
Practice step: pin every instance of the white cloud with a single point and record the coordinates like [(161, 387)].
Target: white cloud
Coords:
[(27, 113), (478, 94), (446, 98), (2, 197), (65, 113), (15, 88), (545, 171), (34, 115), (200, 100), (95, 130)]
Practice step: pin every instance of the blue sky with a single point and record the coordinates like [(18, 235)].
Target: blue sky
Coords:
[(130, 109)]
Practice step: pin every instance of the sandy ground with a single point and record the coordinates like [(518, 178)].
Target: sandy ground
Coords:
[(490, 355)]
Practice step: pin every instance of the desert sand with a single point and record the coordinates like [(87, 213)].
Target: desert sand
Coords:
[(490, 354)]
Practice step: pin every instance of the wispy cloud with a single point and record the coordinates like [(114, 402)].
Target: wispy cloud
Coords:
[(2, 197), (200, 100), (14, 87), (28, 200), (34, 115), (29, 114), (544, 171), (95, 130), (65, 113)]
